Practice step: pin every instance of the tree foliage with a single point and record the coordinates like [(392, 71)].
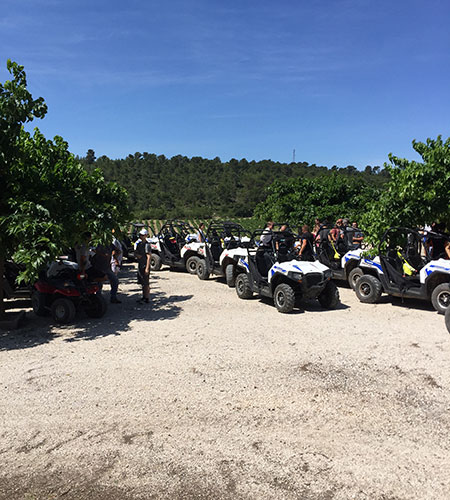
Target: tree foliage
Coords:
[(301, 200), (417, 192), (50, 199)]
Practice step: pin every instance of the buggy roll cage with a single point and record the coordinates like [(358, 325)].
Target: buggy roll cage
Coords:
[(255, 246), (221, 235), (263, 257), (169, 228), (342, 245), (385, 243), (223, 229), (404, 259), (137, 226), (413, 247)]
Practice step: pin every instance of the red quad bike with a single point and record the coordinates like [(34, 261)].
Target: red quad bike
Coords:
[(62, 291)]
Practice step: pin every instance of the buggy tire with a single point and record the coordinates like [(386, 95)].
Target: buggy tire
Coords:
[(97, 306), (284, 298), (230, 276), (440, 298), (155, 262), (353, 276), (368, 289), (447, 319), (38, 303), (63, 311), (243, 288), (202, 269), (191, 264), (329, 297)]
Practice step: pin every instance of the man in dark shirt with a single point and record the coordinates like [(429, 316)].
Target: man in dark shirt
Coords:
[(284, 241), (357, 235), (436, 242), (307, 241), (143, 255)]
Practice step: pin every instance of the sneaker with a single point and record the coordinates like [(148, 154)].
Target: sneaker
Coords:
[(115, 301)]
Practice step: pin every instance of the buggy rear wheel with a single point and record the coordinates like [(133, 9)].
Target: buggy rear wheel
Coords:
[(38, 303), (243, 288), (202, 269), (447, 319), (230, 276), (191, 264), (155, 262), (284, 298), (440, 297), (329, 298), (96, 307), (63, 311), (354, 275), (368, 289)]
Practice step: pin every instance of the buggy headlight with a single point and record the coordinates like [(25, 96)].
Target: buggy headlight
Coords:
[(296, 276)]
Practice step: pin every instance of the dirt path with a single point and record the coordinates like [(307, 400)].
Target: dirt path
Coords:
[(203, 395)]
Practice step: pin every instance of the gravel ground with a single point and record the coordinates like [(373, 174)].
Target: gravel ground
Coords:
[(203, 395)]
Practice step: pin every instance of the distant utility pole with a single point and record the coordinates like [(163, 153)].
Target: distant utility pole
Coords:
[(293, 156)]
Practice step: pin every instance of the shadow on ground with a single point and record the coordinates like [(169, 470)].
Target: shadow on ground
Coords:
[(117, 320)]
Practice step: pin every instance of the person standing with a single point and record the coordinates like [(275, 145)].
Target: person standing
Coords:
[(143, 255), (102, 261), (116, 255), (336, 231), (358, 236), (316, 227), (267, 235), (306, 251), (200, 233)]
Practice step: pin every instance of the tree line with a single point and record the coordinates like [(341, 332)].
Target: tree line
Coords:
[(197, 187)]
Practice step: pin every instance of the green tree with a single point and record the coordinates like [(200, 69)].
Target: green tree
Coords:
[(300, 200), (417, 193), (90, 157), (49, 198)]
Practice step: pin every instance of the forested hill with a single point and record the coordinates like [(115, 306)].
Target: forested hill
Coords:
[(162, 187)]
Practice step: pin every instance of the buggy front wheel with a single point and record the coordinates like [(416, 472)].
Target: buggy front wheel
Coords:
[(284, 298), (202, 269), (440, 297), (155, 262), (243, 288), (368, 289), (447, 319), (354, 275), (191, 264), (230, 276), (63, 311)]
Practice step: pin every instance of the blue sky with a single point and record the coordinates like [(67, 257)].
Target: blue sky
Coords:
[(343, 82)]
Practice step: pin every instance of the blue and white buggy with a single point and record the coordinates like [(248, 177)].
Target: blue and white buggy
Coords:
[(282, 277), (404, 268), (225, 244)]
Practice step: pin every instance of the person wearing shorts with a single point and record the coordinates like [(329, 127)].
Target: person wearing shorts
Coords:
[(142, 254)]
